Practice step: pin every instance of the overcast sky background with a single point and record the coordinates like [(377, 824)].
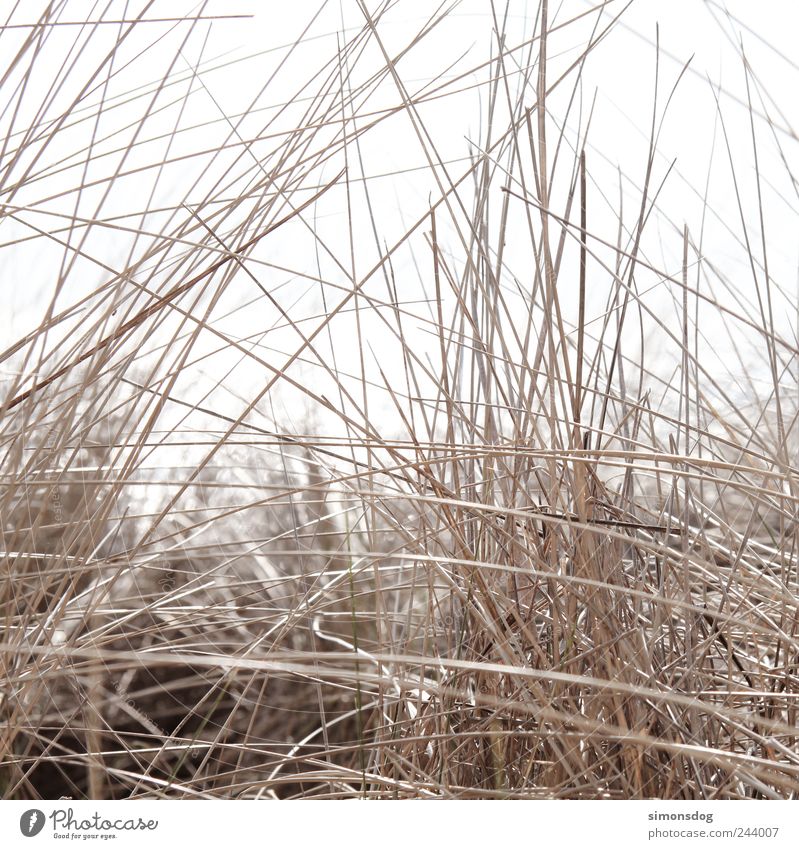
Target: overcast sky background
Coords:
[(241, 73)]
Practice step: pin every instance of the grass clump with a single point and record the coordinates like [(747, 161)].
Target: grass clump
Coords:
[(484, 488)]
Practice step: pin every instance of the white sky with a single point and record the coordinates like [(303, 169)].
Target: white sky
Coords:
[(620, 74)]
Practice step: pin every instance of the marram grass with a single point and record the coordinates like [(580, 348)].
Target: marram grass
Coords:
[(297, 502)]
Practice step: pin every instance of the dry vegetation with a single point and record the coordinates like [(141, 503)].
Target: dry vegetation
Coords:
[(463, 512)]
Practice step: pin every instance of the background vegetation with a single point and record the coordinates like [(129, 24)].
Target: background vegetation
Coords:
[(322, 475)]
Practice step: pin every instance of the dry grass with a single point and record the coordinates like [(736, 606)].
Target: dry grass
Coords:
[(463, 512)]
